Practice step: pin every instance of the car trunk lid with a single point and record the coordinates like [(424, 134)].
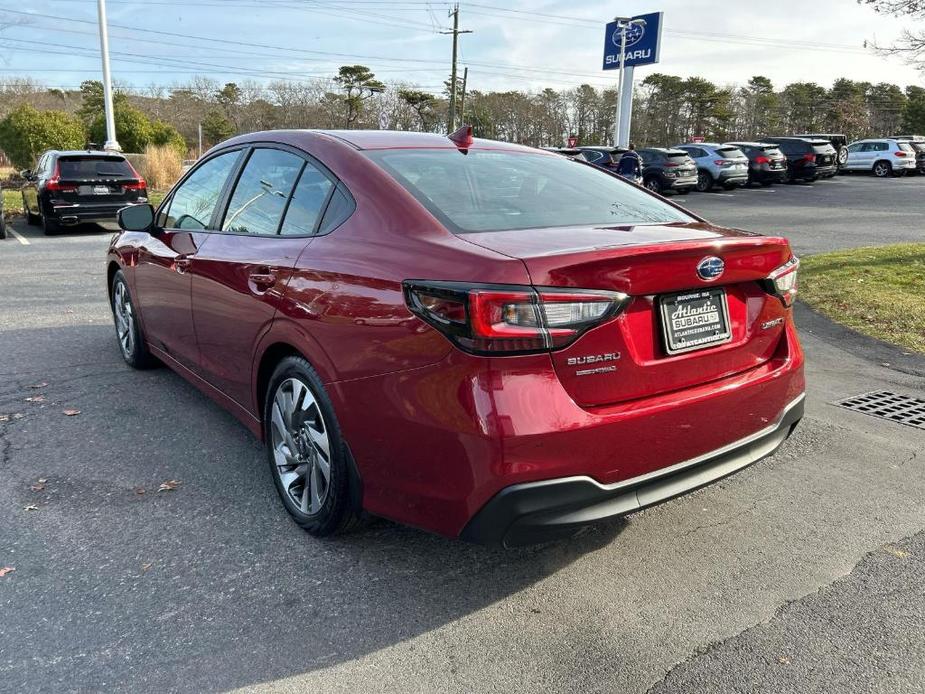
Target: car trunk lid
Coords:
[(630, 356)]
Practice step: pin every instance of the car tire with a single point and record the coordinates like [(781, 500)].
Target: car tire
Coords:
[(50, 227), (652, 183), (704, 182), (131, 339), (305, 450), (882, 169), (32, 219), (3, 233), (683, 191), (765, 184), (900, 173), (730, 186)]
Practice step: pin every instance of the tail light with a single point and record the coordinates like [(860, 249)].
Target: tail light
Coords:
[(722, 162), (762, 160), (671, 164), (140, 184), (510, 319), (899, 153), (809, 158), (783, 281), (54, 184)]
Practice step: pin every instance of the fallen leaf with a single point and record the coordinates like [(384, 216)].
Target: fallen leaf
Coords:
[(18, 416), (36, 398), (6, 570), (30, 507), (40, 485), (38, 385), (783, 660), (168, 486), (145, 567), (139, 490), (70, 412), (4, 417), (896, 552)]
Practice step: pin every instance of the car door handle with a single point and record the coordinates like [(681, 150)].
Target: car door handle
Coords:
[(181, 263), (263, 279)]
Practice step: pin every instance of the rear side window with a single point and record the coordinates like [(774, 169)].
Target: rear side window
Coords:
[(308, 201), (487, 190), (880, 146), (194, 201), (94, 168), (261, 192)]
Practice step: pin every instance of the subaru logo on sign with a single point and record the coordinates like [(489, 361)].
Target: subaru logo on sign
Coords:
[(634, 34), (710, 268)]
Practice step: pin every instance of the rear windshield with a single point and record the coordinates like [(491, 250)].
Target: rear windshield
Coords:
[(730, 152), (85, 168), (498, 191), (824, 149), (918, 146), (905, 146), (677, 155), (772, 151)]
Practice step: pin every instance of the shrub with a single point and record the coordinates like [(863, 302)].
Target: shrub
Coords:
[(163, 165), (164, 134), (133, 129), (26, 132)]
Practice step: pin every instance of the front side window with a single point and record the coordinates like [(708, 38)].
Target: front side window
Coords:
[(856, 147), (308, 201), (261, 192), (881, 146), (495, 191), (194, 201)]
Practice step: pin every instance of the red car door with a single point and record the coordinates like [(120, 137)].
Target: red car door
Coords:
[(240, 274), (164, 258)]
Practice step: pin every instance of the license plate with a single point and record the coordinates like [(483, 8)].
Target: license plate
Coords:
[(694, 320), (93, 190)]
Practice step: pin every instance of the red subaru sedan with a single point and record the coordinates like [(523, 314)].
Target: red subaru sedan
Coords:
[(477, 338)]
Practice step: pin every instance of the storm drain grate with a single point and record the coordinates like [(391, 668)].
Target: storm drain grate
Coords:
[(902, 409)]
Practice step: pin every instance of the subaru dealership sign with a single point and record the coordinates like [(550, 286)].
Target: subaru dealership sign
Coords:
[(642, 42)]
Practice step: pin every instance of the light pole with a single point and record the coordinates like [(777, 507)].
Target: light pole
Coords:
[(111, 143), (623, 23)]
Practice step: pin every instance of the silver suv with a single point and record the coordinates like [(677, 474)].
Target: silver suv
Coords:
[(717, 165)]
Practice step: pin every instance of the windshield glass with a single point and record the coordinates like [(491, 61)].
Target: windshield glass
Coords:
[(94, 167), (498, 191)]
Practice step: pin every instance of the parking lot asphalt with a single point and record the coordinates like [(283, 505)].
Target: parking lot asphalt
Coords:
[(803, 573)]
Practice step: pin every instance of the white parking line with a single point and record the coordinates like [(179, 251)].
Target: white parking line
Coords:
[(19, 237)]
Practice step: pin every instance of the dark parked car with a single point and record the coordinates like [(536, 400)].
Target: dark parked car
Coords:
[(72, 187), (473, 337), (570, 152), (603, 156), (666, 169), (838, 141), (918, 144), (766, 163), (807, 160), (2, 217)]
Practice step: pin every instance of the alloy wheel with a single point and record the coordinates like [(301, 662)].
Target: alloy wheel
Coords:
[(704, 182), (653, 185), (125, 319), (881, 169), (301, 446)]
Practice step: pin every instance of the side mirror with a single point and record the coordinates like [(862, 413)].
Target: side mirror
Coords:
[(136, 217), (26, 174)]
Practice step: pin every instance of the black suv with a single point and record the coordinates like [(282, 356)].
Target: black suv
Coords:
[(72, 187), (668, 169), (766, 163), (807, 160), (605, 157), (838, 141)]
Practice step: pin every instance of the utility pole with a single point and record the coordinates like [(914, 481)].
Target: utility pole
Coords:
[(112, 144), (462, 97), (454, 13), (200, 141)]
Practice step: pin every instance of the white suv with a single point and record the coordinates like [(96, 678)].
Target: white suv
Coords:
[(883, 156)]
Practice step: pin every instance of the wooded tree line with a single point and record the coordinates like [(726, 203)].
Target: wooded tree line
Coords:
[(667, 109)]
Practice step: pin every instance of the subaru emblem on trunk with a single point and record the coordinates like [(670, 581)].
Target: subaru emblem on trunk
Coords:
[(710, 268)]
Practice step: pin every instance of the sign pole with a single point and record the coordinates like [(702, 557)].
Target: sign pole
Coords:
[(626, 106), (619, 115), (111, 143)]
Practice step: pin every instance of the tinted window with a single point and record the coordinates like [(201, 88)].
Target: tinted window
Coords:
[(881, 146), (194, 201), (261, 192), (731, 152), (88, 168), (593, 157), (856, 147), (338, 210), (905, 147), (308, 200), (495, 191)]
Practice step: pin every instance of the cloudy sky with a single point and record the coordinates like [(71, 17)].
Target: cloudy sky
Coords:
[(514, 45)]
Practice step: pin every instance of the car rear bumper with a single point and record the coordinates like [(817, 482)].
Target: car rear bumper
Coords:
[(534, 512), (80, 213), (683, 182), (732, 177), (774, 176)]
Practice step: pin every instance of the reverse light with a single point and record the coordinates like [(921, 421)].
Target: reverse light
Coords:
[(510, 319), (783, 280)]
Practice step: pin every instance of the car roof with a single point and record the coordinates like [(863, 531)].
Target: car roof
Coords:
[(663, 150), (401, 139), (85, 153), (821, 135), (603, 148), (752, 144), (699, 144)]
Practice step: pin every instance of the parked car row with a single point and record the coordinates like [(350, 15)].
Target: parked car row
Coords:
[(704, 166)]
